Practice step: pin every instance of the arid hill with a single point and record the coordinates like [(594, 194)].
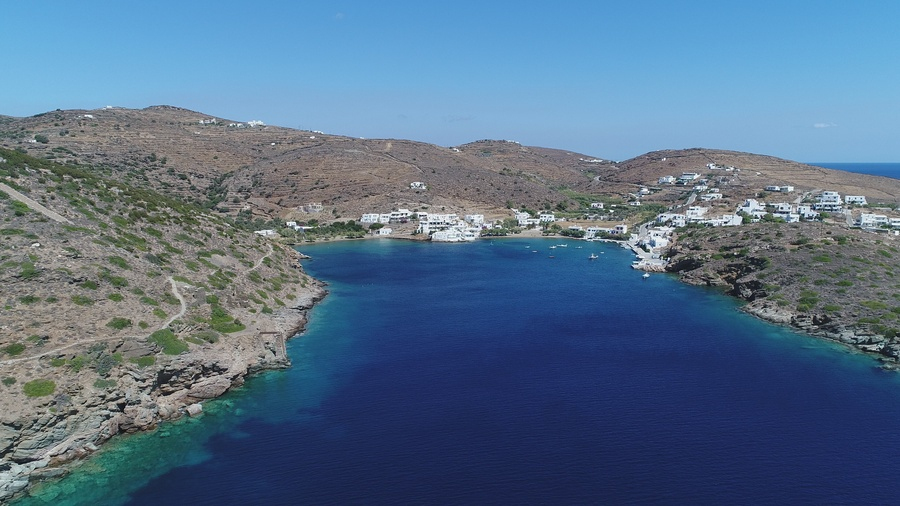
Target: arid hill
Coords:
[(274, 170)]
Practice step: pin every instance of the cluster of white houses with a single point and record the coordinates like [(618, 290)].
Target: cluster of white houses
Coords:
[(441, 227)]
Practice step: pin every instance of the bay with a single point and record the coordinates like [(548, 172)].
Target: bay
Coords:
[(493, 373)]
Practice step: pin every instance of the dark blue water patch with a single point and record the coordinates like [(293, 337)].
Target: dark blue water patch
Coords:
[(874, 169), (487, 373)]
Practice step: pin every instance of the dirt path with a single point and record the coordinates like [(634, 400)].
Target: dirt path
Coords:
[(31, 203), (260, 261), (104, 339), (180, 299)]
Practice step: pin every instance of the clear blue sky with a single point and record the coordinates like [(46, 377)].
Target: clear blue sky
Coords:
[(804, 80)]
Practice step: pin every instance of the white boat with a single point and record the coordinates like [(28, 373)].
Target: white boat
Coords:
[(593, 257), (563, 245), (552, 247), (646, 275)]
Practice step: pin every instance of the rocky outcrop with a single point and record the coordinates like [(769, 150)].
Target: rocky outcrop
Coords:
[(73, 425)]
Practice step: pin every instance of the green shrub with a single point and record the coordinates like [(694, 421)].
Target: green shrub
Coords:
[(39, 388), (29, 271), (89, 284), (149, 301), (169, 343), (119, 323), (14, 349), (874, 304), (209, 336), (159, 313), (142, 324), (115, 297), (29, 299), (81, 300), (222, 322), (142, 362), (103, 384), (9, 381), (57, 362), (119, 262)]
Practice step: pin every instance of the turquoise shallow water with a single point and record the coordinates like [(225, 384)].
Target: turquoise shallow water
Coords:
[(492, 373)]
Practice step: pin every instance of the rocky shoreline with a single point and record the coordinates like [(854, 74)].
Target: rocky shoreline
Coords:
[(801, 281), (40, 448)]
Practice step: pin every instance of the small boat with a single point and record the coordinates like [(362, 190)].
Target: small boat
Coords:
[(563, 245), (593, 257), (646, 275), (552, 247)]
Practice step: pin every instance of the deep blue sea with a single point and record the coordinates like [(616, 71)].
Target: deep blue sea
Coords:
[(491, 373), (875, 169)]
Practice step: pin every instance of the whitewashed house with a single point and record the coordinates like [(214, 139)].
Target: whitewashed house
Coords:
[(806, 212), (829, 201), (547, 217), (695, 213), (369, 218), (688, 177), (384, 231), (859, 200), (418, 185), (476, 220), (522, 218), (596, 205), (867, 220), (400, 215), (666, 180)]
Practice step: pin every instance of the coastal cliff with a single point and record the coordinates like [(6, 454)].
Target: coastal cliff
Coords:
[(123, 308), (823, 279)]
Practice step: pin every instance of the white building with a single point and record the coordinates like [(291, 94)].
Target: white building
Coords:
[(666, 180), (418, 185), (265, 233), (369, 218), (856, 199), (873, 220), (696, 213), (596, 205), (547, 217), (522, 218), (400, 215), (475, 220), (436, 222), (687, 177), (710, 196), (384, 231)]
